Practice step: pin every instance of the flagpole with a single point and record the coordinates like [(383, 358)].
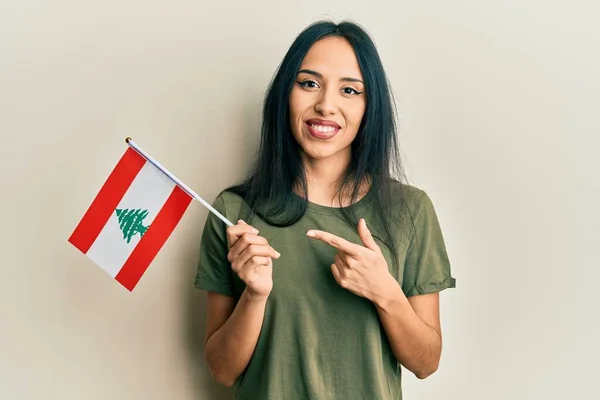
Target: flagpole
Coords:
[(189, 191)]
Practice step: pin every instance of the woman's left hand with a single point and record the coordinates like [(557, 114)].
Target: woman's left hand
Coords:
[(362, 270)]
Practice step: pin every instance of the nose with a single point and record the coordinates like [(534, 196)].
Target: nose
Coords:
[(326, 103)]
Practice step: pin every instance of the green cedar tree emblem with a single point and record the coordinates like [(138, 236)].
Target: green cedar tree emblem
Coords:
[(131, 222)]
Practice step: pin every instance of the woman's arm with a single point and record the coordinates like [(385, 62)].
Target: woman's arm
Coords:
[(233, 329), (231, 334), (412, 326)]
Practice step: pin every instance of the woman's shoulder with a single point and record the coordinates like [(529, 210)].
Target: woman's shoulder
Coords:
[(228, 203), (416, 200), (408, 194), (229, 197)]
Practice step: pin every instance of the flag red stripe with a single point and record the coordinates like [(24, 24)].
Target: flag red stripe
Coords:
[(107, 200), (157, 234)]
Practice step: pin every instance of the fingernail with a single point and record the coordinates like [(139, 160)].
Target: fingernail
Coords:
[(310, 234), (254, 230), (278, 255)]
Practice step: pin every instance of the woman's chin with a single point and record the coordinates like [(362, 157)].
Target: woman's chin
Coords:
[(322, 152)]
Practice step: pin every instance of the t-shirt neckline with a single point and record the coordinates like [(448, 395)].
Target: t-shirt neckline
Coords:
[(330, 210)]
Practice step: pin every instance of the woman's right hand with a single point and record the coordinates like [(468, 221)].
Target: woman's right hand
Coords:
[(251, 259)]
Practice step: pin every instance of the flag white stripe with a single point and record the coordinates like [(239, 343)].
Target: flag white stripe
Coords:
[(150, 190)]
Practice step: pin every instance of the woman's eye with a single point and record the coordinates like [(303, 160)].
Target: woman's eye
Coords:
[(349, 90), (309, 84)]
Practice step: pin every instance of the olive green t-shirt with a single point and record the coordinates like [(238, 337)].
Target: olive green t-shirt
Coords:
[(319, 341)]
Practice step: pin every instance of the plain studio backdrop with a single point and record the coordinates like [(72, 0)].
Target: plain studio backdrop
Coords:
[(498, 112)]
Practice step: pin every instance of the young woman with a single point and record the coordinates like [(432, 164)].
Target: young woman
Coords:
[(329, 281)]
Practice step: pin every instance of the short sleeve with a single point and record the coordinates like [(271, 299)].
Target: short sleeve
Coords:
[(427, 267), (214, 271)]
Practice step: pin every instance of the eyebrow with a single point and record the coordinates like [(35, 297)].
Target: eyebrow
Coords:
[(319, 75)]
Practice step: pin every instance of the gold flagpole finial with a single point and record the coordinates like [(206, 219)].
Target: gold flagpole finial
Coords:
[(127, 139)]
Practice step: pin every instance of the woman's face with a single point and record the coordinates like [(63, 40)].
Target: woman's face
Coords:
[(327, 102)]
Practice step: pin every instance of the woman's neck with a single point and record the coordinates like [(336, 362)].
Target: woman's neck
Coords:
[(323, 178)]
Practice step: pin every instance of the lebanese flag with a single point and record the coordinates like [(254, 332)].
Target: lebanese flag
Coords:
[(130, 219)]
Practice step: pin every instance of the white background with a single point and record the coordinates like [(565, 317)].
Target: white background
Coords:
[(498, 104)]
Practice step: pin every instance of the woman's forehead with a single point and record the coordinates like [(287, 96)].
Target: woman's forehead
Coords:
[(333, 56)]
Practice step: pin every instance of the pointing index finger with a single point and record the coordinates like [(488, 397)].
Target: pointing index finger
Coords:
[(334, 241)]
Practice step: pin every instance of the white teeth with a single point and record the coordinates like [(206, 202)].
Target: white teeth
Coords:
[(323, 129)]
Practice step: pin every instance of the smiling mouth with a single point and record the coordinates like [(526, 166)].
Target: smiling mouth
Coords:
[(322, 129)]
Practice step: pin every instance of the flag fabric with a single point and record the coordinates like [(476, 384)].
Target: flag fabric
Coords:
[(130, 219)]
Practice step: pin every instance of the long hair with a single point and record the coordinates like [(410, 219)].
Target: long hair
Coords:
[(278, 172)]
